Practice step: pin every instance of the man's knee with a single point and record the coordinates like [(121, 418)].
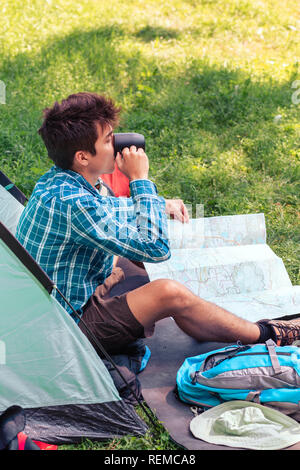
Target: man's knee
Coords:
[(173, 294)]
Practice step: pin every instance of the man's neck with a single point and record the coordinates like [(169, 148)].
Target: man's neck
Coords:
[(92, 179)]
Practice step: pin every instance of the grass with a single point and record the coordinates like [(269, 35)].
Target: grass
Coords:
[(155, 439), (209, 84)]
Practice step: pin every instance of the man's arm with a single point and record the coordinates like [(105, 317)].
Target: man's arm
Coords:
[(135, 228)]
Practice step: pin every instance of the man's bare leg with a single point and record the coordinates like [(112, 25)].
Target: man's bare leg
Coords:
[(198, 318)]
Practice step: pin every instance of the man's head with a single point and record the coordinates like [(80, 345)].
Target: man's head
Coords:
[(79, 128)]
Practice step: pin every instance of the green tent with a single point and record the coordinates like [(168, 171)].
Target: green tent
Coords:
[(48, 367)]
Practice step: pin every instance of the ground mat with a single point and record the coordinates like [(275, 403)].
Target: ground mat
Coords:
[(169, 346)]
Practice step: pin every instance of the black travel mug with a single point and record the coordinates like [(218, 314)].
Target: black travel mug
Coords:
[(127, 140)]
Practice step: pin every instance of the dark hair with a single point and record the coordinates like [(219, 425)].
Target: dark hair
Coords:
[(71, 125)]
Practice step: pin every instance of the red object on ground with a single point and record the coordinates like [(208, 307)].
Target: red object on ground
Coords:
[(118, 182), (22, 438), (45, 446)]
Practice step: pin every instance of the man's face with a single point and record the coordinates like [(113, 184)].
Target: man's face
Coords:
[(104, 160)]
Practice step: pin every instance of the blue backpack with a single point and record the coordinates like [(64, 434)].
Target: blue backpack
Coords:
[(263, 373)]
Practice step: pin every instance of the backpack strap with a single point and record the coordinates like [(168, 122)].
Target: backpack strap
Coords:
[(273, 356), (254, 396)]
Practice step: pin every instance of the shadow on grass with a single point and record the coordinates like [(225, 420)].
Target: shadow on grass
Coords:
[(202, 122), (150, 33)]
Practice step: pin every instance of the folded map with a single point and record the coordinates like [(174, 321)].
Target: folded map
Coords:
[(227, 261)]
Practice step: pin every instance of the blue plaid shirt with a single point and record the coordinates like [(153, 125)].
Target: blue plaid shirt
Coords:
[(73, 232)]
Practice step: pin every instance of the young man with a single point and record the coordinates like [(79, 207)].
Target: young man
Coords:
[(73, 233)]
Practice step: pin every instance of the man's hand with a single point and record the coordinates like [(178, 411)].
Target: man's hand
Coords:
[(133, 163), (177, 210)]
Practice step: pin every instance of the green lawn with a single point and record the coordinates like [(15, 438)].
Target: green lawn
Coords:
[(213, 85)]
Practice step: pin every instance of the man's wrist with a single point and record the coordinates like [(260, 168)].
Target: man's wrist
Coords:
[(134, 178), (140, 187)]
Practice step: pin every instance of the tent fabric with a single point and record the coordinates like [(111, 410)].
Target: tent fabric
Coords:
[(56, 368), (65, 356), (10, 210), (13, 244), (12, 188), (70, 424), (49, 367)]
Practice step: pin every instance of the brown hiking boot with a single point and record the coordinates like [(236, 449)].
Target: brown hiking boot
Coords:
[(286, 332)]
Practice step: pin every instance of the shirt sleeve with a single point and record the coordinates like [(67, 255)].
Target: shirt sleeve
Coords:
[(135, 228)]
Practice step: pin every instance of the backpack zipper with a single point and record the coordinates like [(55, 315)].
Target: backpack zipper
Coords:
[(232, 351), (230, 356)]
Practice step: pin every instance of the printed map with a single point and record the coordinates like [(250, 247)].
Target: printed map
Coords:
[(227, 261)]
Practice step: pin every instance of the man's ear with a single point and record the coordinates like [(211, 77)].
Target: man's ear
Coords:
[(80, 159)]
